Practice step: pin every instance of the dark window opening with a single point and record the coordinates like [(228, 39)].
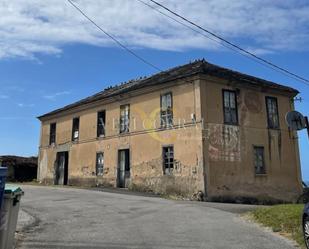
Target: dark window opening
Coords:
[(272, 113), (166, 110), (259, 161), (75, 129), (230, 107), (124, 118), (101, 124), (100, 164), (52, 134), (168, 160)]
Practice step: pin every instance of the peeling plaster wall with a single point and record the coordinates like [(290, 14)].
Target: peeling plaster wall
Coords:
[(228, 150), (145, 142), (43, 165), (211, 157), (187, 176)]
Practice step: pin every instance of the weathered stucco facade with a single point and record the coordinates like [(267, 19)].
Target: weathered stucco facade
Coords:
[(209, 155)]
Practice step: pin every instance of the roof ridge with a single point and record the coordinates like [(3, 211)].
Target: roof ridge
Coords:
[(124, 83), (248, 76), (199, 66)]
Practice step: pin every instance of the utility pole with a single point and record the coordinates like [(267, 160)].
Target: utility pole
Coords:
[(307, 125)]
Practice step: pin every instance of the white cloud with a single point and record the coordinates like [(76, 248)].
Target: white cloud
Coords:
[(2, 96), (22, 105), (14, 88), (55, 95), (28, 27)]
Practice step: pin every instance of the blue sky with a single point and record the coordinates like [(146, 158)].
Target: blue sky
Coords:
[(50, 56)]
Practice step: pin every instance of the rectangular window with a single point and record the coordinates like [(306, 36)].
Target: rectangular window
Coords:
[(124, 118), (272, 113), (259, 162), (166, 110), (100, 164), (52, 134), (230, 107), (75, 129), (168, 160), (101, 124)]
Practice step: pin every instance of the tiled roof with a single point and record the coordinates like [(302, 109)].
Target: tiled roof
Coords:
[(196, 67)]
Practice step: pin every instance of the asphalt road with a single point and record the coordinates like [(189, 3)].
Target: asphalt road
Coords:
[(73, 218)]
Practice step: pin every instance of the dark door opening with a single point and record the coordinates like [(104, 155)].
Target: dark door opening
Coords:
[(123, 168), (61, 169)]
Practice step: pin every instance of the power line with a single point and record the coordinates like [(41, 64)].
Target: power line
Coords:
[(149, 63), (217, 41), (119, 43), (208, 37), (115, 39), (230, 44), (182, 23)]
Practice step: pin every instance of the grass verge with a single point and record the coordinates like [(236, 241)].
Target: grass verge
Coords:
[(283, 219)]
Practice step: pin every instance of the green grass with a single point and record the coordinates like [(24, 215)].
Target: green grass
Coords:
[(284, 219)]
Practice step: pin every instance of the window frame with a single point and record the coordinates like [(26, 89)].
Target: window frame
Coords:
[(255, 149), (269, 122), (101, 172), (74, 126), (52, 135), (170, 169), (168, 112), (98, 123), (123, 123), (236, 106)]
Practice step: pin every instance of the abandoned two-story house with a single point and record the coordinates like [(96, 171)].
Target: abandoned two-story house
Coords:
[(197, 127)]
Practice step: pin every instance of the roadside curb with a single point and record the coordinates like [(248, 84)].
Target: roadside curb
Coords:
[(24, 220)]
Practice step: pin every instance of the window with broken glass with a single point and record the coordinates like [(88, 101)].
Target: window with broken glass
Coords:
[(230, 107), (272, 113), (75, 129), (101, 124), (168, 160), (52, 134), (166, 110), (124, 118), (100, 164), (259, 161)]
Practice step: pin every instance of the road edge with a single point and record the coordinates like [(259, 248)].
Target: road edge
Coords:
[(24, 223)]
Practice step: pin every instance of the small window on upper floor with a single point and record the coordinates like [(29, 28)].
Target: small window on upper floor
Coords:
[(100, 164), (52, 133), (259, 161), (124, 118), (101, 124), (75, 129), (272, 113), (166, 110), (168, 160), (230, 107)]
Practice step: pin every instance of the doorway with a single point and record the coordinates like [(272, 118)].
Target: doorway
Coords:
[(123, 168), (61, 169)]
